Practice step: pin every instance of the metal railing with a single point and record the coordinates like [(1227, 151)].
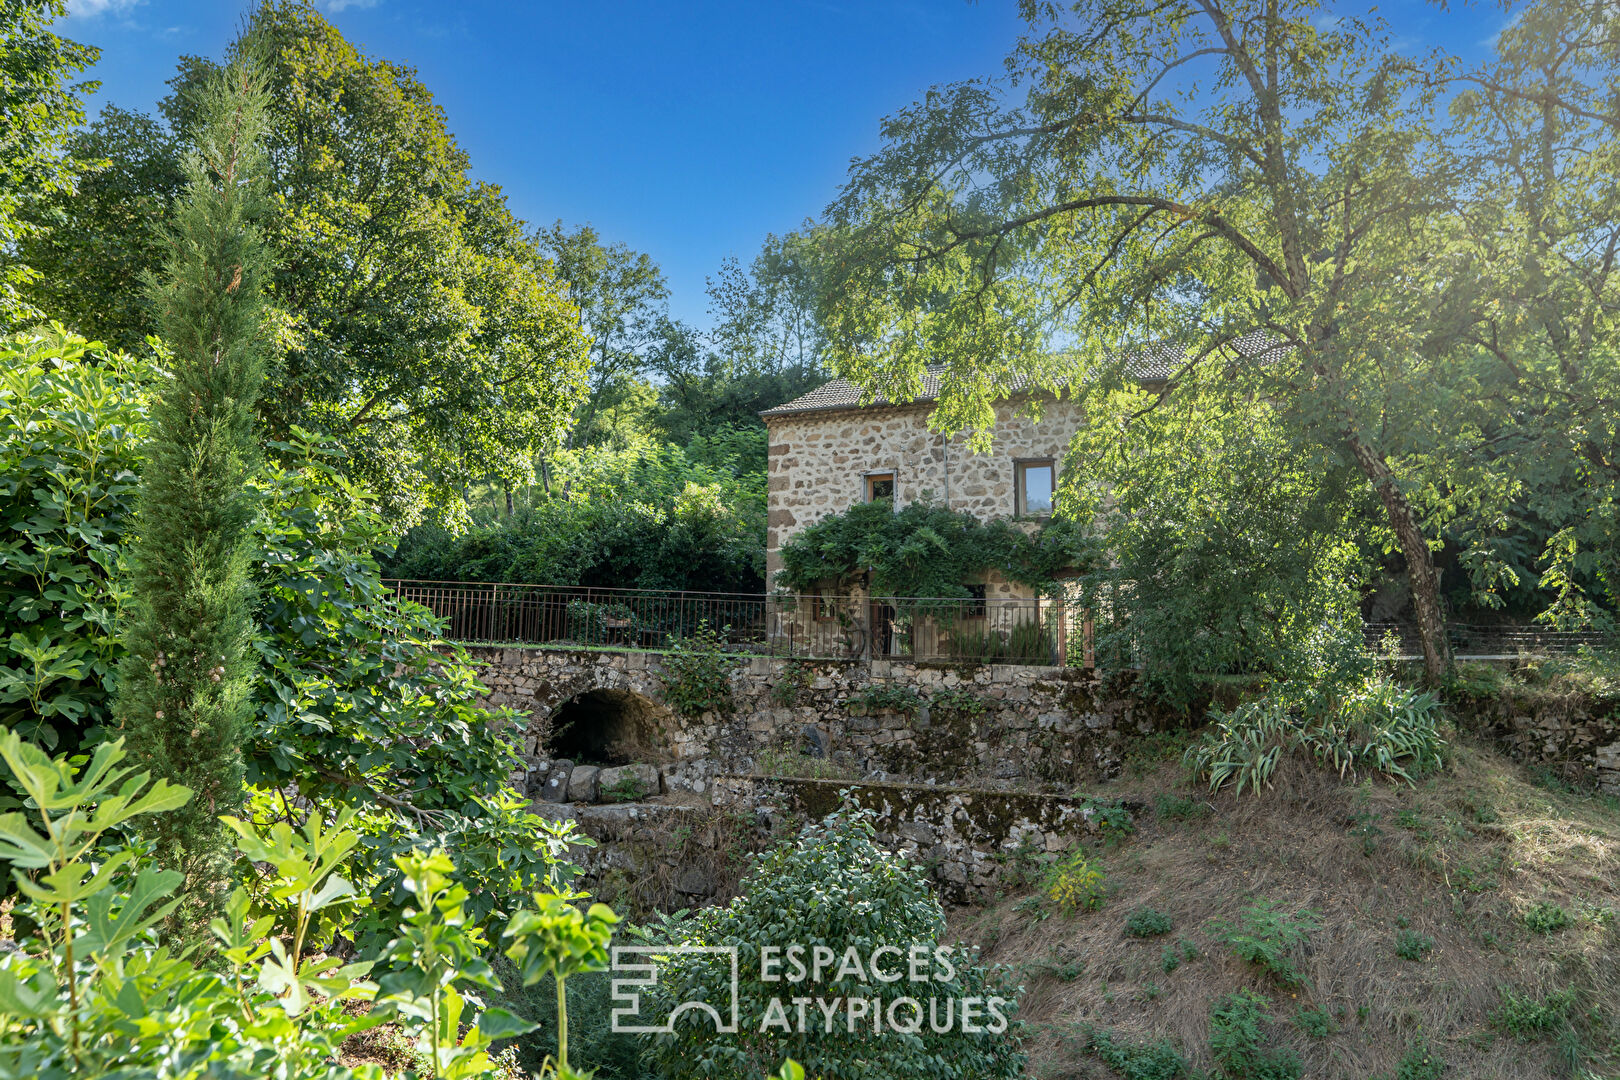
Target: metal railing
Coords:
[(1012, 630), (1476, 641)]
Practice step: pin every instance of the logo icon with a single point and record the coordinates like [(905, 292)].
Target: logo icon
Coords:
[(640, 963)]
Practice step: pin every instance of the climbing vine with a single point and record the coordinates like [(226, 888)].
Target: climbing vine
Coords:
[(926, 550)]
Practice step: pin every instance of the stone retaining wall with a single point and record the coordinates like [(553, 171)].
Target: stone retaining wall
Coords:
[(666, 854), (995, 724), (1575, 734)]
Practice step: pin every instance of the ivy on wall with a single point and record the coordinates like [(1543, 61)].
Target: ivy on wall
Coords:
[(927, 550)]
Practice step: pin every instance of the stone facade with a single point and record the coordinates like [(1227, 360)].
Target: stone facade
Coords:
[(819, 461)]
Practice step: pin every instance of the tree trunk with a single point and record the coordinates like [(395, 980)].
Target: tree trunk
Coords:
[(1421, 575)]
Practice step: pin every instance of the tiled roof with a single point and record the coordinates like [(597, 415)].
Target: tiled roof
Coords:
[(1149, 365)]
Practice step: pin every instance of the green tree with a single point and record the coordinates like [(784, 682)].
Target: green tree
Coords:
[(110, 231), (39, 108), (621, 295), (1242, 186), (1537, 131), (185, 685), (1226, 547)]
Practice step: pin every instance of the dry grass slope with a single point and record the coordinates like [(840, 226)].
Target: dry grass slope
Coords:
[(1467, 859)]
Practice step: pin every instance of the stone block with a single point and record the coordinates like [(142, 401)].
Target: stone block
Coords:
[(582, 783), (642, 779), (694, 882), (555, 788)]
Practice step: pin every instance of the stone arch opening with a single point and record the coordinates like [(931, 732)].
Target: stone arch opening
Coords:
[(606, 727)]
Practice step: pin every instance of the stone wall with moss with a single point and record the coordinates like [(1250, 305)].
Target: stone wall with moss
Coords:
[(991, 724), (1571, 729)]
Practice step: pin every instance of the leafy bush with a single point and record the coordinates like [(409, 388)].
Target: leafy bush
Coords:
[(72, 422), (1147, 922), (1074, 884), (1136, 1061), (697, 673), (790, 685), (1546, 918), (1023, 643), (925, 550), (1316, 1023), (960, 700), (894, 697), (1411, 945), (355, 705), (1173, 956), (1527, 1017), (91, 992), (360, 704), (1178, 807), (1239, 1045), (1268, 937), (1228, 542), (1420, 1062), (834, 888), (1374, 726)]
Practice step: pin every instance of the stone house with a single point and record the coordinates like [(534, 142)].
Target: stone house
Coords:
[(828, 451)]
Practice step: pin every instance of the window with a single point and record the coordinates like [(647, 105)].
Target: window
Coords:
[(975, 607), (821, 609), (879, 486), (1034, 488)]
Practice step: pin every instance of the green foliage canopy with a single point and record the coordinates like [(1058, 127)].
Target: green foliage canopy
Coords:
[(925, 550), (39, 108)]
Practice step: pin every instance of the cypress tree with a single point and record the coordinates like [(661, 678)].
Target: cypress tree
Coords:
[(185, 687)]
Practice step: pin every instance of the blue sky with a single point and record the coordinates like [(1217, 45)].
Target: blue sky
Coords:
[(684, 128)]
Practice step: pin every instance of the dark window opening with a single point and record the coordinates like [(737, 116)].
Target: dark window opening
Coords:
[(603, 727), (880, 486), (975, 607)]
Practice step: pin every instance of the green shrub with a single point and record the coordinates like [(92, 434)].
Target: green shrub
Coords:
[(1411, 945), (960, 700), (627, 788), (1526, 1017), (697, 673), (1074, 884), (1546, 918), (1239, 1045), (1375, 726), (1147, 922), (1179, 807), (100, 996), (1420, 1062), (832, 887), (874, 697), (71, 427), (925, 550), (790, 685), (1173, 956), (1317, 1023), (651, 517), (1268, 937), (355, 700), (1136, 1061)]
